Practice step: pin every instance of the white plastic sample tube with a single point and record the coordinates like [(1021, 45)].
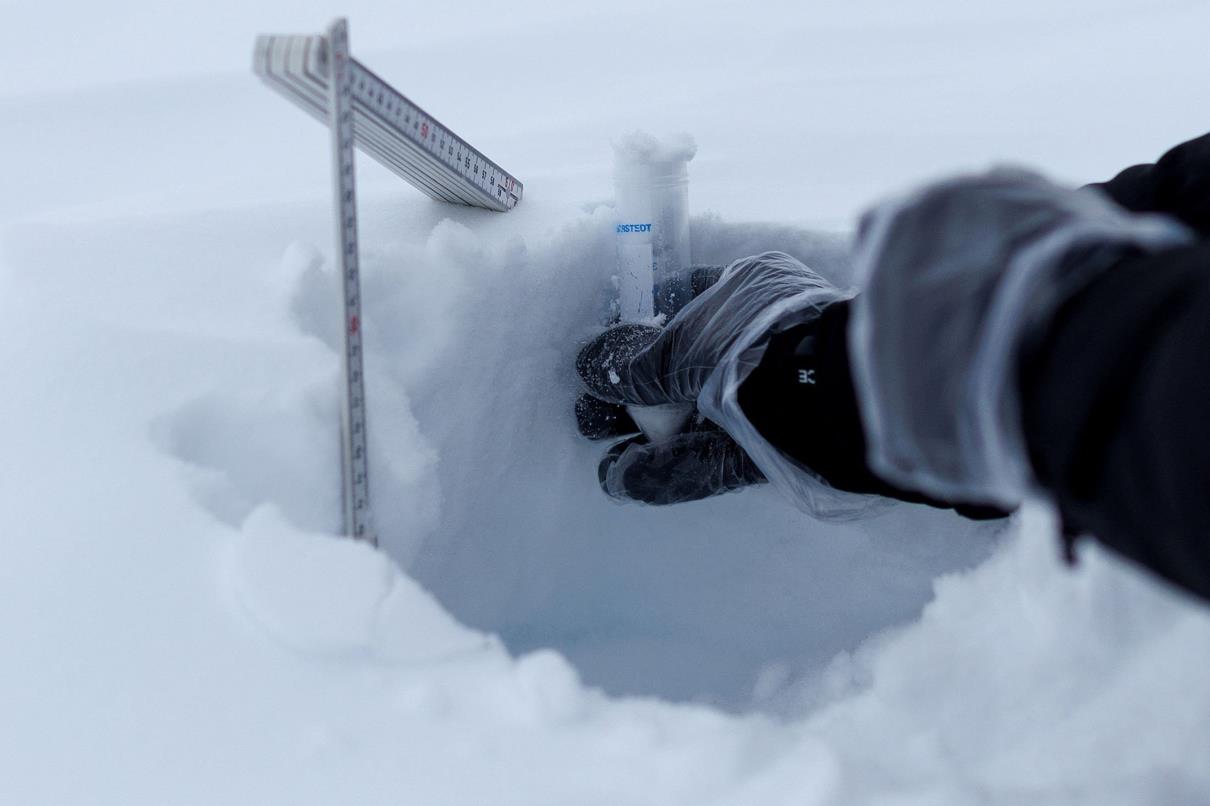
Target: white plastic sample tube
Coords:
[(651, 187), (651, 192)]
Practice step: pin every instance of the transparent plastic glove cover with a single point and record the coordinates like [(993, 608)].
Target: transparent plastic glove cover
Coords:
[(955, 277), (716, 341)]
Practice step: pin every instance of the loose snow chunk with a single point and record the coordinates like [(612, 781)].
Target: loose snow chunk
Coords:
[(641, 148), (321, 594)]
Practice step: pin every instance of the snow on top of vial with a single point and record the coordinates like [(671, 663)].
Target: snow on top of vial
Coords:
[(641, 148)]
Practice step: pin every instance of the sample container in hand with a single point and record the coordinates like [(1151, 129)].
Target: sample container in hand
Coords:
[(651, 185)]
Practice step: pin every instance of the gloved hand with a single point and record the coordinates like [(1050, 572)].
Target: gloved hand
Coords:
[(644, 365), (700, 357), (700, 461), (697, 463)]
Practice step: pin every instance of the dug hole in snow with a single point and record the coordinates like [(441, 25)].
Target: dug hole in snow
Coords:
[(484, 493), (488, 500)]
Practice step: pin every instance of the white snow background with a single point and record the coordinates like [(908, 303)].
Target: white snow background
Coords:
[(179, 627)]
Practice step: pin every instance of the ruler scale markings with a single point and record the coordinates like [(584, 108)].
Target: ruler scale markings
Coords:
[(373, 97), (456, 190), (356, 476), (421, 118), (434, 177), (430, 183), (374, 141), (383, 151)]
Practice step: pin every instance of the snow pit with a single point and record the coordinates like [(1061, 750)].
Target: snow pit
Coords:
[(485, 494), (182, 628)]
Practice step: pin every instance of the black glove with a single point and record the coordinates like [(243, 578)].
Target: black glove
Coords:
[(699, 357), (697, 463)]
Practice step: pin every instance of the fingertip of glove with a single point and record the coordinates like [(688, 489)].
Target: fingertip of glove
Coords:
[(598, 419), (608, 460), (602, 362)]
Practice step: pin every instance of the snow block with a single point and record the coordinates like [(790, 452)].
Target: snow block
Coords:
[(323, 595)]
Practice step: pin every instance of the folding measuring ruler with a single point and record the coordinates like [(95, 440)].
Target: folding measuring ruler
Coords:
[(317, 73), (387, 126)]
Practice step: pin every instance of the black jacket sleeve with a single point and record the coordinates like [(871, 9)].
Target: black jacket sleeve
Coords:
[(1178, 184), (1115, 401), (1116, 390)]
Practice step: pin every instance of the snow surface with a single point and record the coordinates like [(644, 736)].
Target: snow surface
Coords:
[(178, 626)]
